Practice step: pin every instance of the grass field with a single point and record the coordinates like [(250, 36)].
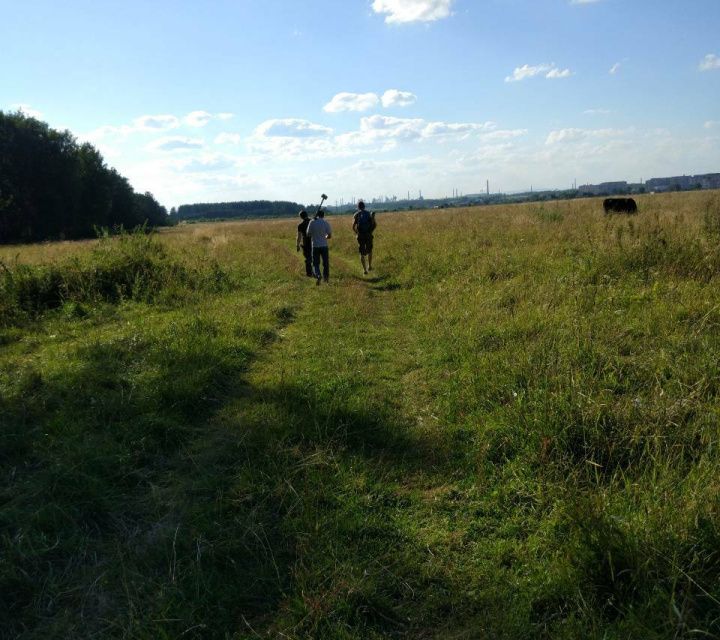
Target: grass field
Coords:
[(509, 429)]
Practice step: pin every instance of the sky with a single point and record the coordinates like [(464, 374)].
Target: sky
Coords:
[(224, 100)]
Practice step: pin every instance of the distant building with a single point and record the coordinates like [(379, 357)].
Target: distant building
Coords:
[(709, 180), (673, 183), (604, 188), (682, 183)]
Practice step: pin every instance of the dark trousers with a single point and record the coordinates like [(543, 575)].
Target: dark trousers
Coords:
[(307, 253), (317, 253)]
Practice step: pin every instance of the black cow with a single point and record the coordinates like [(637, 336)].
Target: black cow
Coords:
[(619, 205)]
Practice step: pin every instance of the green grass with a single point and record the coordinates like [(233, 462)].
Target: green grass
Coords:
[(510, 430)]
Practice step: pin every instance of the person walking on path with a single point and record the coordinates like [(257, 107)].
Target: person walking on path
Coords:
[(320, 232), (303, 240), (363, 225)]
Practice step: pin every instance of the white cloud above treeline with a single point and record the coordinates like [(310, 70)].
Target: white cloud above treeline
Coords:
[(615, 68), (176, 143), (27, 110), (550, 71), (404, 11), (154, 123), (158, 123)]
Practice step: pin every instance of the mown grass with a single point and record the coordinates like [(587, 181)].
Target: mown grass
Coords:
[(509, 430)]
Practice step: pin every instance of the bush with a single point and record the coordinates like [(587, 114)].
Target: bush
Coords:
[(132, 266)]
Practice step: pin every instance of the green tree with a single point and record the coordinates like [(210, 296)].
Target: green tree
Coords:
[(51, 187)]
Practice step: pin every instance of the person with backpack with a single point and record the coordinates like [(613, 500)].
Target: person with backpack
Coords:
[(363, 225), (319, 232), (303, 240)]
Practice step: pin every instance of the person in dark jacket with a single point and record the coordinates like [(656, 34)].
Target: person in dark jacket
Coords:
[(304, 241), (363, 225)]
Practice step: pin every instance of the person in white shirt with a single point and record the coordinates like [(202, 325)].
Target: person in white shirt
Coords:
[(319, 232)]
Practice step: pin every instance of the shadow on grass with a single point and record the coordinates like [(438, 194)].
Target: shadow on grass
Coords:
[(92, 511), (380, 283), (148, 492), (335, 469)]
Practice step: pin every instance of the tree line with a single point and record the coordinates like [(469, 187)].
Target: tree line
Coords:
[(248, 209), (52, 187)]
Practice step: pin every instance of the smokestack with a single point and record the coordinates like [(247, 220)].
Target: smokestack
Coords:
[(488, 186)]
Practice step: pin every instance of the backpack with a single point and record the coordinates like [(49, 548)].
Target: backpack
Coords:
[(364, 223)]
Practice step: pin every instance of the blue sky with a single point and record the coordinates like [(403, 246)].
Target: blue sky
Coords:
[(244, 99)]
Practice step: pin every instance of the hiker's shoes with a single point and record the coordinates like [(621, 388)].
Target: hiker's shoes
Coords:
[(365, 272), (317, 281)]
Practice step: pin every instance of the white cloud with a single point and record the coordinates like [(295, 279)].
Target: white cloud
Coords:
[(506, 134), (387, 126), (206, 163), (378, 133), (175, 143), (550, 71), (527, 71), (107, 131), (155, 123), (27, 110), (456, 129), (712, 124), (195, 178), (395, 98), (291, 128), (710, 62), (289, 148), (495, 154), (346, 101), (384, 128), (403, 11), (555, 74), (197, 118), (143, 124), (597, 112), (615, 68), (201, 118), (228, 138), (570, 135)]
